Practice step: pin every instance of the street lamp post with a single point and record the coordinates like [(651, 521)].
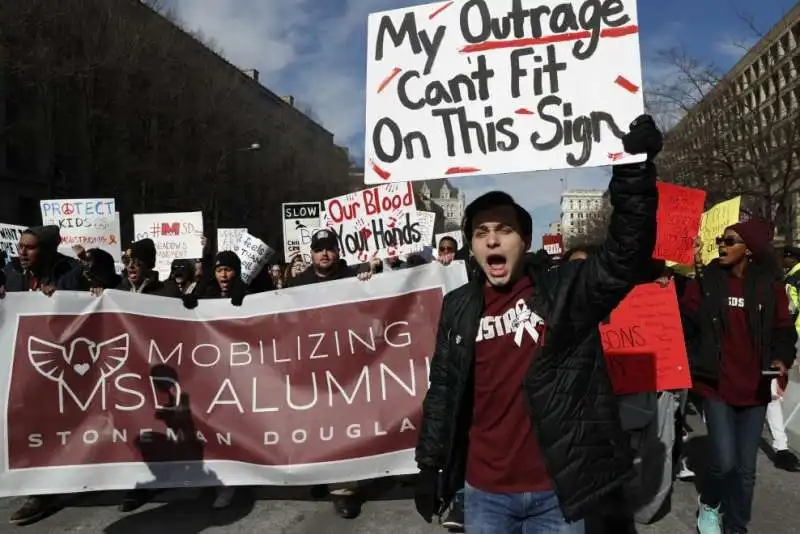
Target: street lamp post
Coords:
[(252, 148)]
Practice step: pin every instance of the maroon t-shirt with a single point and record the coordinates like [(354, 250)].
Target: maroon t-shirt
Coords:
[(740, 381), (504, 454)]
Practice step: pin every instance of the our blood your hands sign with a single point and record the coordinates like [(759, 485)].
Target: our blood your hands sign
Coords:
[(470, 87)]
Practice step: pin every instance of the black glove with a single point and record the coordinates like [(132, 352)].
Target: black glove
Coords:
[(238, 291), (189, 301), (426, 493), (644, 138)]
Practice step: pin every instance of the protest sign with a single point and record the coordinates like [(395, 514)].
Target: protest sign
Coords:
[(300, 219), (380, 220), (713, 224), (254, 255), (177, 236), (678, 222), (228, 238), (85, 222), (643, 342), (427, 221), (297, 387), (498, 86), (9, 238), (457, 235), (553, 244)]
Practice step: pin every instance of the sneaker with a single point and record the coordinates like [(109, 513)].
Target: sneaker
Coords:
[(135, 499), (347, 506), (685, 474), (709, 520), (455, 519), (787, 461), (32, 510), (224, 497)]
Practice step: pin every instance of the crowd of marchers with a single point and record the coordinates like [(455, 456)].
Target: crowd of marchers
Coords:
[(521, 429)]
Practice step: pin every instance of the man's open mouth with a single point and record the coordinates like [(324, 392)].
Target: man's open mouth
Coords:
[(497, 264)]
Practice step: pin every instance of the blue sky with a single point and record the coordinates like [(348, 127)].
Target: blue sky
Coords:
[(315, 50)]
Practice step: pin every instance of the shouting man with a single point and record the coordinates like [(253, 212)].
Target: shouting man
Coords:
[(520, 410)]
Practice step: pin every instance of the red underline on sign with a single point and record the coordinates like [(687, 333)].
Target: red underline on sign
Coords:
[(524, 111), (614, 156), (435, 13), (389, 78), (548, 39), (461, 170), (380, 172), (627, 84)]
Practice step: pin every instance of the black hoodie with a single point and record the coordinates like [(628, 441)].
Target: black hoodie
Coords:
[(53, 268)]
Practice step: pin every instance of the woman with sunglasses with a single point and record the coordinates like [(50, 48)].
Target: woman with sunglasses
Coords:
[(739, 335)]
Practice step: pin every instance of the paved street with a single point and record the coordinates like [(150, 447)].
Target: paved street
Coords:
[(391, 511)]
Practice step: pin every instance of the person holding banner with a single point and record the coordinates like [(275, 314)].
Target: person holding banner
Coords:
[(141, 276), (39, 267), (739, 336), (327, 265), (520, 411)]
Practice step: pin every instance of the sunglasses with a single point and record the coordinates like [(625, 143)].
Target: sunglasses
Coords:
[(729, 241), (446, 249)]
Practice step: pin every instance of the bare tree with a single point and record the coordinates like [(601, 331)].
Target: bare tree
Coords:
[(743, 132)]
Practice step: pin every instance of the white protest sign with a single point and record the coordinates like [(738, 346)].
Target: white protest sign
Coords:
[(457, 235), (177, 236), (227, 238), (380, 220), (449, 93), (254, 255), (300, 219), (9, 238), (84, 222), (427, 220)]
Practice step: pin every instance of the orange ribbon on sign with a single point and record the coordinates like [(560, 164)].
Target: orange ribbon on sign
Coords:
[(112, 240)]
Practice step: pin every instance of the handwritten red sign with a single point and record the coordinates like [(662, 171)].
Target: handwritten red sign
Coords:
[(643, 342), (679, 212)]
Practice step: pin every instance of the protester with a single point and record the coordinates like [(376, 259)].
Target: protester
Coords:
[(39, 267), (554, 316), (295, 267), (95, 273), (276, 272), (141, 276), (447, 249), (737, 328), (182, 276), (326, 265)]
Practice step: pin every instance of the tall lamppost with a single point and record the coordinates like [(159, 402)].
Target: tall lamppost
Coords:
[(252, 148)]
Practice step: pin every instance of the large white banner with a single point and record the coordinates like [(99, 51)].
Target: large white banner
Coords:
[(178, 236), (300, 219), (84, 222), (497, 86), (295, 387)]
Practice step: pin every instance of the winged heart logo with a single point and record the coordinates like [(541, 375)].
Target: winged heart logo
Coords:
[(82, 357)]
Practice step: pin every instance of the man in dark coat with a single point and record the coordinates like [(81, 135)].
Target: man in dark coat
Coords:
[(141, 276), (520, 405), (39, 267)]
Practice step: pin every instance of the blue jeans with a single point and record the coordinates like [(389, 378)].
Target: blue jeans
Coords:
[(515, 513), (734, 434)]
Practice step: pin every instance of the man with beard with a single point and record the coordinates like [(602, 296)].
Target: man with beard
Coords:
[(39, 267), (141, 276), (520, 410)]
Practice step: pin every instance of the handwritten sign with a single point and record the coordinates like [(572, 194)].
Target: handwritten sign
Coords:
[(380, 220), (497, 86), (9, 238), (300, 220), (228, 238), (85, 222), (457, 235), (643, 342), (553, 244), (254, 255), (713, 224), (427, 221), (678, 222), (177, 236)]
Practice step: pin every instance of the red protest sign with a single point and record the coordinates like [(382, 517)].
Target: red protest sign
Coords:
[(679, 212), (643, 342), (553, 244)]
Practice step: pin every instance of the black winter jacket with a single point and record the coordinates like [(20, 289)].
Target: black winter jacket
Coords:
[(567, 388), (340, 272), (59, 274), (154, 287)]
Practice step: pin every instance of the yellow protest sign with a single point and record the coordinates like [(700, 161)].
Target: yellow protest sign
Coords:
[(713, 224)]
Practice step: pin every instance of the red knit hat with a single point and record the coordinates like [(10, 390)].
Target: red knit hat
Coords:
[(757, 235)]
